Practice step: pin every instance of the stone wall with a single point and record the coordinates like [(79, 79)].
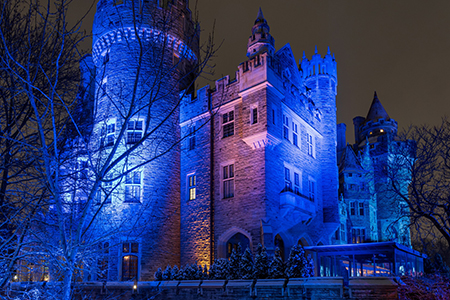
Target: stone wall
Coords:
[(315, 288)]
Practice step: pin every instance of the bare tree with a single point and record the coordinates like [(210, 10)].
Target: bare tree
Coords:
[(71, 163), (428, 194)]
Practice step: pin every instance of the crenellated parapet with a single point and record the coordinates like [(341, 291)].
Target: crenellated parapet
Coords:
[(318, 65), (170, 26)]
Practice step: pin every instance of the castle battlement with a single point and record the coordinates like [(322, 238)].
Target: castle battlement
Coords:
[(318, 65)]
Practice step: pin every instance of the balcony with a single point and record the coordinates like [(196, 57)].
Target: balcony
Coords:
[(297, 205)]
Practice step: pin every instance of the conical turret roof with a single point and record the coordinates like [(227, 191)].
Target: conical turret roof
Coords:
[(260, 17), (376, 110)]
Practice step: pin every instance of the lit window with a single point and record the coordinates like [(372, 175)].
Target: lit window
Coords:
[(192, 138), (358, 235), (133, 187), (361, 208), (130, 259), (228, 181), (352, 208), (254, 115), (192, 183), (286, 127), (310, 144), (228, 124), (296, 183), (294, 134), (134, 131), (311, 189)]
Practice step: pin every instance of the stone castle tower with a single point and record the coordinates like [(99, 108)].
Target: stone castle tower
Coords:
[(260, 163), (373, 210), (144, 53)]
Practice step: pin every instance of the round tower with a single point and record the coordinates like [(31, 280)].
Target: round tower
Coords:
[(319, 76), (144, 53), (375, 124)]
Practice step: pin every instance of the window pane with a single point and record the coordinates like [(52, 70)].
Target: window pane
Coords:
[(130, 125), (136, 177), (128, 178), (138, 125), (134, 247), (126, 247), (192, 194), (225, 172), (231, 116), (231, 171)]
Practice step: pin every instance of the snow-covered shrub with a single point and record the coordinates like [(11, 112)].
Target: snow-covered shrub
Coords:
[(235, 263), (261, 266), (167, 274), (276, 268), (246, 265), (158, 275), (297, 263), (175, 273), (220, 269)]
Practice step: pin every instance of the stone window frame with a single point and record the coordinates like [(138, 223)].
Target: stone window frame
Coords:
[(286, 126), (358, 235), (191, 137), (133, 187), (310, 145), (312, 188), (134, 132), (228, 184), (254, 114), (295, 141), (134, 255), (191, 186), (227, 125), (290, 183)]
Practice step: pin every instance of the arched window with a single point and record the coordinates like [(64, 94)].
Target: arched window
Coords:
[(280, 244), (233, 242), (130, 261)]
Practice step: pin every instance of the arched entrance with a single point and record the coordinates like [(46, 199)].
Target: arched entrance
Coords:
[(234, 241)]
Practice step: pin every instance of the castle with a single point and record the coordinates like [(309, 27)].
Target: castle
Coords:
[(261, 158)]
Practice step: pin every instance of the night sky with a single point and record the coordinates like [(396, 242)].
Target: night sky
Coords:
[(400, 48)]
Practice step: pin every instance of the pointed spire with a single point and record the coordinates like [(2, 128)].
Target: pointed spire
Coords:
[(376, 110), (260, 17), (304, 55), (329, 52), (315, 50)]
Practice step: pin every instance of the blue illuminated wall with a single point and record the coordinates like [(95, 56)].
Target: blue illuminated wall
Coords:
[(142, 51), (282, 150)]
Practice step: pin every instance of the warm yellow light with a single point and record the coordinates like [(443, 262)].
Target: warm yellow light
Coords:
[(381, 130), (135, 287), (15, 277)]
